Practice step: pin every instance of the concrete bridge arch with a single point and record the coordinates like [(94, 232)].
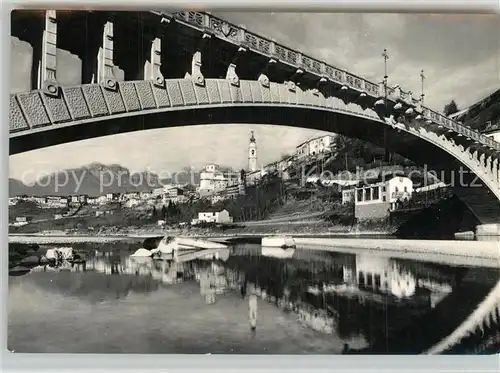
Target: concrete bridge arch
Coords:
[(258, 81), (92, 110)]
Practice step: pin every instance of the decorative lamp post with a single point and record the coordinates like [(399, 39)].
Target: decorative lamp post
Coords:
[(422, 78), (385, 55)]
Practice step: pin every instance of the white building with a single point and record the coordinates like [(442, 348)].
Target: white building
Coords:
[(55, 202), (102, 199), (174, 192), (215, 217), (213, 180), (179, 199), (216, 198), (37, 200), (157, 192), (132, 202), (383, 275), (146, 195), (315, 146), (430, 187), (22, 220), (375, 200)]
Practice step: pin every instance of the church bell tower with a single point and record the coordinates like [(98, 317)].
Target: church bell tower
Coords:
[(252, 154)]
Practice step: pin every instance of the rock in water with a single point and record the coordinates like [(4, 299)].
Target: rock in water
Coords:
[(142, 252), (167, 245), (51, 254), (67, 252), (60, 253)]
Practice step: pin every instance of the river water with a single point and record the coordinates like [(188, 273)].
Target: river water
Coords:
[(299, 301)]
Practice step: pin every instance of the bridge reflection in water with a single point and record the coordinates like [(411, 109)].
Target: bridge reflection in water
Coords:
[(323, 302)]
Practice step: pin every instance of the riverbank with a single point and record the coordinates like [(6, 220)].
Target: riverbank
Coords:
[(139, 235), (54, 239), (489, 250)]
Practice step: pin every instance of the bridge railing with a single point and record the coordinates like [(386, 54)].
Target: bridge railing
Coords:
[(240, 36)]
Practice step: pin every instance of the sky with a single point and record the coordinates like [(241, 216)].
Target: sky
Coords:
[(460, 56)]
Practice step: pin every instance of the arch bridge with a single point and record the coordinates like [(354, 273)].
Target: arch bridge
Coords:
[(84, 74)]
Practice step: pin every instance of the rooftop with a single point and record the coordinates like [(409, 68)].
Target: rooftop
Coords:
[(314, 138), (212, 209)]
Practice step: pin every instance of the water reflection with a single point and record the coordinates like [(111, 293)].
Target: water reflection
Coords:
[(366, 302)]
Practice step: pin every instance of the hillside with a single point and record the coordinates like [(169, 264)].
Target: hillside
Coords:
[(96, 179), (482, 114)]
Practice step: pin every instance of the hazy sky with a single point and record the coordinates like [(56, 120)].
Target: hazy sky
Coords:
[(459, 53)]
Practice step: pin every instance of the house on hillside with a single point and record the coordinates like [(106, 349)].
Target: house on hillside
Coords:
[(215, 216), (132, 202), (493, 131), (314, 147), (373, 201), (22, 220), (54, 202)]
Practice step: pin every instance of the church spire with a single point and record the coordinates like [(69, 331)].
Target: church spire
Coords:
[(252, 154)]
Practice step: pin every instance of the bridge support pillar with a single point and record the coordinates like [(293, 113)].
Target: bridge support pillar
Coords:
[(196, 62), (488, 164), (264, 76), (152, 67), (105, 64), (293, 82), (47, 76), (475, 156), (320, 82), (482, 159), (231, 70), (496, 171), (488, 229)]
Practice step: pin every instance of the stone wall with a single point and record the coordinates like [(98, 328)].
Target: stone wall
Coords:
[(372, 211)]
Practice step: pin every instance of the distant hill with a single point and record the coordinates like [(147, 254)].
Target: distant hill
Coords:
[(482, 114), (97, 179)]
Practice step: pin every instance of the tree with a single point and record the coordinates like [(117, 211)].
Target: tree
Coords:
[(451, 108)]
